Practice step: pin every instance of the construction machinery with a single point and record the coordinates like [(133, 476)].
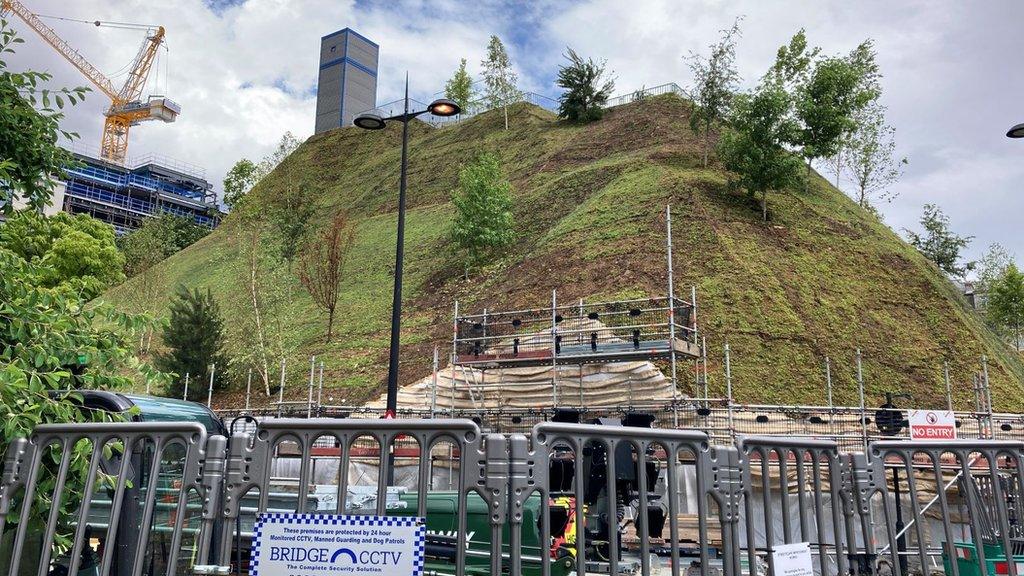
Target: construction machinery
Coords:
[(126, 105)]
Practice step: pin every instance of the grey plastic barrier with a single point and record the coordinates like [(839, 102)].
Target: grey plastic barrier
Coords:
[(114, 446), (483, 468), (819, 518), (987, 477), (531, 467)]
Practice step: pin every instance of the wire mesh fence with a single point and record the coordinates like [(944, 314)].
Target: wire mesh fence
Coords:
[(852, 428)]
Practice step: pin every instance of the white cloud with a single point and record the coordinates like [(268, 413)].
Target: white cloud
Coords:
[(244, 76)]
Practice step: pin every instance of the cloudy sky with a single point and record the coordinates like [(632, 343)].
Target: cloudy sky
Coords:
[(244, 72)]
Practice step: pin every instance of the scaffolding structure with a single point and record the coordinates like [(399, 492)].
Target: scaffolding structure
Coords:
[(582, 333)]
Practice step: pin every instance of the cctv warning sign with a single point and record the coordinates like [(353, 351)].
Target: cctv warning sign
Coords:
[(932, 425)]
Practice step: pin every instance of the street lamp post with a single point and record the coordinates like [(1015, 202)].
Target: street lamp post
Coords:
[(1016, 132), (371, 121)]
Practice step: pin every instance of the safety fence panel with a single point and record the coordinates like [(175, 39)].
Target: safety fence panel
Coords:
[(792, 495), (117, 498), (166, 498), (601, 495), (370, 459), (947, 507)]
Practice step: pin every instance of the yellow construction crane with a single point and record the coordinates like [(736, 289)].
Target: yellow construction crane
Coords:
[(126, 106)]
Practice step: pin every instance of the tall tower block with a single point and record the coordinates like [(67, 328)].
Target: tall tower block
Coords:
[(348, 78)]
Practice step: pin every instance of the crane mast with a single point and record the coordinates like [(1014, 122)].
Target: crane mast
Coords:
[(126, 106)]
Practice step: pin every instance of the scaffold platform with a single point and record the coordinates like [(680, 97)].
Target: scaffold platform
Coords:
[(580, 333)]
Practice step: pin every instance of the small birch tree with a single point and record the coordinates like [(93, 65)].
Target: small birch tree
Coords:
[(870, 157), (499, 79), (715, 82)]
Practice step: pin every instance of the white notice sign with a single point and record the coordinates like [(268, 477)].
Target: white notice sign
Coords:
[(330, 544), (932, 425), (792, 560)]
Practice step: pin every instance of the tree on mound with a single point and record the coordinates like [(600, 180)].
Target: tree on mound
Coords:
[(157, 239), (195, 338), (939, 244), (1006, 303), (459, 88), (321, 263), (754, 146), (586, 88), (499, 78), (715, 81), (483, 209)]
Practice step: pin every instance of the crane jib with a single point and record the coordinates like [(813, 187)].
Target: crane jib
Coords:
[(126, 105)]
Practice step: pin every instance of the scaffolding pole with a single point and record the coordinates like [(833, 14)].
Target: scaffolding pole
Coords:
[(728, 387), (433, 387), (248, 389), (209, 391), (320, 391), (987, 391), (554, 348), (863, 408), (828, 380), (949, 388), (455, 341), (704, 366), (280, 389), (671, 316), (309, 395)]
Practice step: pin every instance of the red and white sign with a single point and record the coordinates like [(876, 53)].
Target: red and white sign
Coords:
[(932, 425)]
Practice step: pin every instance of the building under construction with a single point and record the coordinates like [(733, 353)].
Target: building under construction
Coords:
[(124, 196)]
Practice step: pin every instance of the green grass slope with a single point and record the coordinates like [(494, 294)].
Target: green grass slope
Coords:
[(822, 278)]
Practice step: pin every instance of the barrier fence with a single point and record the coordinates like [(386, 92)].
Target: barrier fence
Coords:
[(168, 498)]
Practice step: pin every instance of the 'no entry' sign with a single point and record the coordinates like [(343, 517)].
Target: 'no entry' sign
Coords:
[(932, 425)]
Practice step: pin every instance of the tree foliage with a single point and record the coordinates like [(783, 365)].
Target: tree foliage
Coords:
[(483, 209), (869, 156), (74, 250), (239, 180), (828, 93), (322, 262), (753, 146), (51, 345), (195, 340), (1006, 303), (290, 211), (244, 175), (991, 267), (157, 239), (259, 340), (499, 78), (52, 341), (459, 88), (586, 88), (939, 244), (833, 93), (715, 83), (30, 116)]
